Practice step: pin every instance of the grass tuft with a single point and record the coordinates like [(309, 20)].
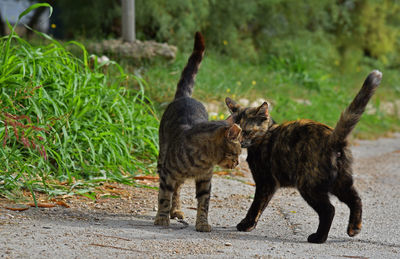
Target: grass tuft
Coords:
[(67, 123)]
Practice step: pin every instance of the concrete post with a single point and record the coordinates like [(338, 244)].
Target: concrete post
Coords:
[(128, 20)]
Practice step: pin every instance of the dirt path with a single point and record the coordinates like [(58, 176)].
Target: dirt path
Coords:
[(124, 227)]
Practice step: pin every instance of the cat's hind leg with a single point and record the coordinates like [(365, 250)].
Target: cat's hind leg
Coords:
[(167, 185), (175, 211), (319, 201), (345, 191), (262, 197), (203, 191)]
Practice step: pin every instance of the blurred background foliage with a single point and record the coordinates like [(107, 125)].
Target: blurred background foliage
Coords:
[(344, 30)]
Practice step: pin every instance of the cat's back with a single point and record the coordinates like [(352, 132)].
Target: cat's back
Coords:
[(291, 143), (302, 133), (182, 114), (292, 152)]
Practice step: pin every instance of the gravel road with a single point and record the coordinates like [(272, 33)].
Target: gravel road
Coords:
[(123, 228)]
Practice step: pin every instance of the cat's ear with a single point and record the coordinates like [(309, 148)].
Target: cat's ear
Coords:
[(232, 105), (233, 132), (263, 110)]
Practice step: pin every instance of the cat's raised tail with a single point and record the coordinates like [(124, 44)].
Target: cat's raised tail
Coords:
[(351, 116), (186, 83)]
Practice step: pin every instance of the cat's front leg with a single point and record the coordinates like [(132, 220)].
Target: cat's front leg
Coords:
[(167, 185), (260, 202), (203, 190)]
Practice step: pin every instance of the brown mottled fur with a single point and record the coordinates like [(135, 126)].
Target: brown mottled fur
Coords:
[(304, 154), (190, 146)]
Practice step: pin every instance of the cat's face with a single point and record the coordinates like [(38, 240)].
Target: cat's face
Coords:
[(231, 147), (254, 121)]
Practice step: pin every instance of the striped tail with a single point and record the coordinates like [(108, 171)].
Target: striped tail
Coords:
[(186, 83), (351, 116)]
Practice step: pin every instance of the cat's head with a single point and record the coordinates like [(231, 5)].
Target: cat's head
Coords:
[(230, 147), (254, 121)]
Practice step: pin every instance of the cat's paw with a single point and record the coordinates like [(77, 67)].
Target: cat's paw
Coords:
[(246, 226), (203, 227), (177, 214), (353, 230), (161, 221), (316, 239)]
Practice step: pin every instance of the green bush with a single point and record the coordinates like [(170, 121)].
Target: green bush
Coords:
[(170, 21), (371, 26), (95, 19)]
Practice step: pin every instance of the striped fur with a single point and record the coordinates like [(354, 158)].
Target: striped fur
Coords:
[(304, 154), (190, 147)]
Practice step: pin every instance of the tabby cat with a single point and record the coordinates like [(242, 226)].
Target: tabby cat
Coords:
[(305, 154), (190, 146)]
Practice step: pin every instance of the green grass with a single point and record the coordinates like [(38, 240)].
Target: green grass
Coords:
[(67, 119), (284, 81)]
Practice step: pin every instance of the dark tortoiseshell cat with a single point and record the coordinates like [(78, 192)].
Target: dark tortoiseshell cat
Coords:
[(190, 146), (304, 154)]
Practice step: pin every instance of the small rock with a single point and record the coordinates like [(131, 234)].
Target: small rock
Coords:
[(244, 101), (303, 101), (212, 108), (260, 101), (228, 244)]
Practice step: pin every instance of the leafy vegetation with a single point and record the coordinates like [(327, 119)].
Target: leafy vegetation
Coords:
[(64, 119)]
